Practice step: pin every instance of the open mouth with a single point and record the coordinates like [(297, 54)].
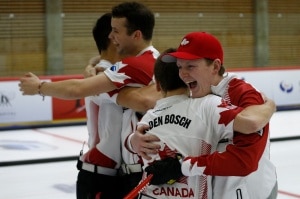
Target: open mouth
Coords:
[(114, 42), (192, 84)]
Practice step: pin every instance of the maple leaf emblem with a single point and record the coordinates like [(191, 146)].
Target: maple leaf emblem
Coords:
[(229, 113), (184, 42), (223, 104)]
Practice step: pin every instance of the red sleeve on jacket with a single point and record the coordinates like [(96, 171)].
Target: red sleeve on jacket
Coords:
[(94, 156), (242, 157), (239, 159)]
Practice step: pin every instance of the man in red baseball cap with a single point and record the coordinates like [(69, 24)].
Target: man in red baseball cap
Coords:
[(200, 61), (241, 166)]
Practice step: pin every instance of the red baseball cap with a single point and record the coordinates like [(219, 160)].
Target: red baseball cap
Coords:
[(196, 45)]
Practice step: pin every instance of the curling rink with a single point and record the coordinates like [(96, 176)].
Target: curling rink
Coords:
[(40, 163)]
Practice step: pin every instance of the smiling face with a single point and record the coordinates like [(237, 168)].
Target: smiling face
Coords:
[(124, 43), (198, 74)]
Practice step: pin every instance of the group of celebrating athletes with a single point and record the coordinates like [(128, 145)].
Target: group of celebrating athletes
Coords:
[(205, 136)]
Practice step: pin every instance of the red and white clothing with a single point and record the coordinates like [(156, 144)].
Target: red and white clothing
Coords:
[(191, 127), (135, 72), (105, 137), (104, 124), (246, 152)]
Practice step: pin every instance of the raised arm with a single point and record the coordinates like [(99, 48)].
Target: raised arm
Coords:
[(30, 84), (94, 60), (255, 117), (250, 120), (242, 156), (91, 69), (138, 99)]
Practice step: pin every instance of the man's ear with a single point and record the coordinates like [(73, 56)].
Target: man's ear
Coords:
[(217, 65), (138, 34)]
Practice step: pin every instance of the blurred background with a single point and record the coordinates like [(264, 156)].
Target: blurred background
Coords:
[(40, 140), (50, 37)]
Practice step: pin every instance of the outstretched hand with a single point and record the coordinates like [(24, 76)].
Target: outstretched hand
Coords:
[(144, 144), (29, 84)]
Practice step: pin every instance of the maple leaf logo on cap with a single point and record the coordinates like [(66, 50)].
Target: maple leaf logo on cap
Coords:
[(184, 42)]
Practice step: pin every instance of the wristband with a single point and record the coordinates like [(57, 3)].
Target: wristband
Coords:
[(39, 90)]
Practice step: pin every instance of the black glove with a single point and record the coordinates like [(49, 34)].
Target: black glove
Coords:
[(165, 171)]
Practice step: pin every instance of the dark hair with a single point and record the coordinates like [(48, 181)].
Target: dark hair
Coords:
[(222, 69), (167, 74), (101, 31), (138, 16)]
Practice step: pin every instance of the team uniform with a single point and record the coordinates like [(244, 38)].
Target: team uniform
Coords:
[(260, 184), (99, 165), (246, 156), (135, 72), (191, 127)]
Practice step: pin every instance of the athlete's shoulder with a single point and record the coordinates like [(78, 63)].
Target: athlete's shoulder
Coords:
[(144, 56), (144, 60), (209, 99), (237, 83), (206, 106), (243, 93)]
